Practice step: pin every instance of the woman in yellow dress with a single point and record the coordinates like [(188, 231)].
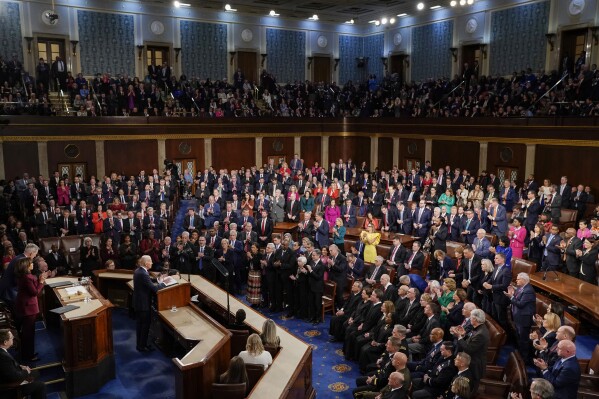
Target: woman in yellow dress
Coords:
[(371, 239)]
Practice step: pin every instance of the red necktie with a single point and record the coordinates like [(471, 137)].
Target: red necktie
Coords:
[(263, 226)]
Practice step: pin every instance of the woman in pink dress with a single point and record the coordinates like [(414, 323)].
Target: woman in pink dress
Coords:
[(331, 214), (517, 235), (583, 230), (63, 194)]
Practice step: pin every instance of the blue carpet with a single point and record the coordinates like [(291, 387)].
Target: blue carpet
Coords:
[(184, 205)]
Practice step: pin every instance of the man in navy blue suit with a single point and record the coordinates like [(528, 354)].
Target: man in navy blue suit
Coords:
[(403, 219), (422, 221), (498, 219), (468, 227), (143, 290), (523, 303), (551, 249), (501, 279), (321, 235), (565, 373), (348, 214)]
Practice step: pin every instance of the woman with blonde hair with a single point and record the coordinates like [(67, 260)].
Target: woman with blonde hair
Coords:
[(371, 239), (269, 335), (254, 352)]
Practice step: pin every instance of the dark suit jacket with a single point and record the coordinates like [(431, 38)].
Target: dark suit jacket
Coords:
[(371, 318), (524, 306), (197, 222), (565, 378), (406, 226), (499, 284), (143, 290), (323, 234), (470, 228), (317, 278), (554, 252), (572, 263), (473, 273), (338, 271), (476, 346), (10, 370), (417, 261)]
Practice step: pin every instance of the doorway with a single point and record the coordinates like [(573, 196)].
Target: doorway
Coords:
[(506, 173), (470, 54), (322, 69), (573, 43), (49, 48), (397, 65), (157, 55), (73, 169), (247, 61)]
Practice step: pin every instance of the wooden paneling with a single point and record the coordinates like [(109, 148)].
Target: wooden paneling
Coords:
[(356, 148), (517, 161), (19, 158), (322, 69), (233, 153), (457, 154), (196, 151), (552, 162), (385, 153), (410, 149), (277, 146), (131, 156), (87, 154), (311, 149), (247, 61)]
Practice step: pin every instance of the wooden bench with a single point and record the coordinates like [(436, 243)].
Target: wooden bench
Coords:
[(498, 381), (497, 338)]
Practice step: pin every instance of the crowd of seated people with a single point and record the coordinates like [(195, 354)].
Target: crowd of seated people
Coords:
[(413, 316), (161, 93)]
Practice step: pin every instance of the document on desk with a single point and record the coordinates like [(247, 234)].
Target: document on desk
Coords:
[(168, 281)]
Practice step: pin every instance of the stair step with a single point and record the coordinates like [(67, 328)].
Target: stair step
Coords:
[(56, 381), (48, 365)]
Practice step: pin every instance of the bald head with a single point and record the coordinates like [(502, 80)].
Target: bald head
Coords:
[(566, 348), (399, 361), (395, 380)]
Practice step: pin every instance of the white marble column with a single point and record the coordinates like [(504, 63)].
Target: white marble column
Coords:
[(374, 152), (207, 153), (258, 151), (531, 151), (100, 162), (324, 152), (428, 150), (42, 154), (396, 152), (482, 156), (161, 152)]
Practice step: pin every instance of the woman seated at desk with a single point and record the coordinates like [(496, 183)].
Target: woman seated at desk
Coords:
[(254, 352)]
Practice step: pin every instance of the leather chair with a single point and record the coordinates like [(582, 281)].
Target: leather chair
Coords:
[(328, 297), (427, 261), (254, 372), (520, 266), (589, 380), (228, 391), (497, 338), (383, 250), (238, 341), (451, 247), (498, 381), (567, 219), (391, 272), (46, 244), (543, 303), (348, 284), (360, 221), (493, 239), (347, 244), (273, 350), (96, 239)]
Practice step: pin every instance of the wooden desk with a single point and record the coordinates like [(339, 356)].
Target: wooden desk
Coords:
[(290, 375), (87, 337), (112, 284), (353, 233), (572, 290), (286, 227)]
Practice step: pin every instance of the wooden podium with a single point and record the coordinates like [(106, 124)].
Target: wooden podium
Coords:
[(88, 357)]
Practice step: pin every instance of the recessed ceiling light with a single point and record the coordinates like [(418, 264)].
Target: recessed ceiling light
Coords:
[(179, 4), (384, 21), (462, 2), (273, 13), (314, 17), (229, 8), (453, 3), (470, 2), (403, 14), (420, 6), (351, 21), (391, 20), (377, 22), (435, 7)]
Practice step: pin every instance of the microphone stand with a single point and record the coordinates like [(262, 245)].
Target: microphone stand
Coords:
[(547, 271)]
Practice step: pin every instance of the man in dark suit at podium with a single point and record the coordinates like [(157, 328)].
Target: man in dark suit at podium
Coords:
[(12, 372), (143, 290)]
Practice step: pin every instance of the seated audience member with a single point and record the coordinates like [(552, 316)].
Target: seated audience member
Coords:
[(459, 389), (12, 372), (565, 373), (269, 335), (239, 324), (236, 373), (435, 383), (254, 352)]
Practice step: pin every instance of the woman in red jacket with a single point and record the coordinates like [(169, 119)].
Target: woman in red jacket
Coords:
[(26, 306)]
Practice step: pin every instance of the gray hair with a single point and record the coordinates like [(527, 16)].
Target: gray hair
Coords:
[(434, 284), (486, 263), (542, 388), (185, 234), (31, 249), (270, 245), (400, 329), (524, 276), (478, 315), (302, 260), (87, 239), (380, 258)]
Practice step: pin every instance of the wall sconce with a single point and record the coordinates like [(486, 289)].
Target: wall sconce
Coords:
[(336, 63), (263, 59), (454, 53), (232, 54), (177, 51), (594, 33), (483, 50), (74, 44), (310, 59), (551, 40), (385, 63), (29, 40), (140, 49)]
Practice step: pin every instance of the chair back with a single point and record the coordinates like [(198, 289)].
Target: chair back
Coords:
[(46, 244), (543, 303), (254, 372), (238, 341), (273, 350), (497, 338), (522, 265), (593, 368), (228, 391), (515, 373)]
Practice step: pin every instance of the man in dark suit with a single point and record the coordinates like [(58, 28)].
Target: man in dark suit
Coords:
[(56, 261), (469, 227), (433, 384), (569, 245), (421, 342), (498, 219), (264, 228), (472, 274), (523, 305), (292, 209), (204, 257), (397, 255), (414, 259), (403, 219), (59, 71), (345, 311), (565, 191), (552, 252), (476, 343), (355, 267), (66, 225), (316, 275), (500, 280), (422, 221), (321, 234), (286, 264), (578, 201), (411, 307), (84, 219), (337, 268), (565, 373), (369, 321), (531, 209), (426, 364), (153, 71), (12, 372), (43, 73), (349, 213), (192, 221), (373, 276), (143, 290)]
